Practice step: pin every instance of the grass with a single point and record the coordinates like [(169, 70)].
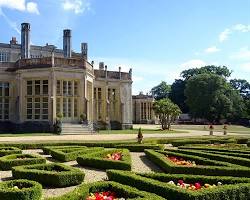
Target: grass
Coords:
[(230, 128), (24, 134), (144, 131)]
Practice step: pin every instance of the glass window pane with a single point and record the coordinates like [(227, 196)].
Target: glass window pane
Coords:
[(6, 89), (70, 88), (75, 88), (37, 116), (65, 87), (37, 89), (58, 87), (45, 116)]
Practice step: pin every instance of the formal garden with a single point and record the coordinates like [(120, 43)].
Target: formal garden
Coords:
[(201, 168)]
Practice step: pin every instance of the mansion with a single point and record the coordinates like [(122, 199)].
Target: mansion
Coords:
[(39, 83)]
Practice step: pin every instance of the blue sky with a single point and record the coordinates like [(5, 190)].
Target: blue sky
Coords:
[(157, 38)]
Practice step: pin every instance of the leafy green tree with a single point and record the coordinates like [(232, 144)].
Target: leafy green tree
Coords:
[(210, 69), (167, 112), (211, 97), (161, 91), (177, 94), (242, 86)]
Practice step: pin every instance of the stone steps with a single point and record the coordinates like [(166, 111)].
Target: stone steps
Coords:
[(76, 129)]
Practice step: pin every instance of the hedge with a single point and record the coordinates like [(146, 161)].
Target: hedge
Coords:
[(9, 150), (239, 155), (9, 161), (220, 149), (71, 154), (98, 160), (125, 191), (53, 174), (159, 158), (47, 149), (20, 190), (140, 147), (241, 191), (224, 158)]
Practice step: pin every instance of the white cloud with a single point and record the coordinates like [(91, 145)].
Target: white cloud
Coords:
[(241, 27), (20, 5), (77, 6), (235, 28), (32, 8), (242, 54), (195, 63), (224, 35), (212, 49)]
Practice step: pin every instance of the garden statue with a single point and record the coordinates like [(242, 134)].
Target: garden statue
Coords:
[(139, 136)]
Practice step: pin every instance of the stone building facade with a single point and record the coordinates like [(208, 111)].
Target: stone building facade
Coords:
[(143, 112), (39, 82)]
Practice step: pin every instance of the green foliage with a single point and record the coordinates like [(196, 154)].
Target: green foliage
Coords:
[(210, 69), (98, 160), (125, 191), (160, 159), (157, 183), (224, 158), (140, 147), (167, 111), (209, 96), (242, 86), (72, 153), (5, 150), (9, 161), (177, 95), (161, 91), (27, 190), (53, 174)]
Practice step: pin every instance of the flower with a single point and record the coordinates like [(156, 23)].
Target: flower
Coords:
[(181, 161), (114, 156), (107, 195)]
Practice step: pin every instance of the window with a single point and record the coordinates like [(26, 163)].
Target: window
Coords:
[(99, 93), (45, 87), (94, 93), (76, 88), (4, 100), (75, 107), (37, 100), (4, 57), (58, 87)]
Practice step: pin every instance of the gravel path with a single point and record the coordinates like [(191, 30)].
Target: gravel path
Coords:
[(141, 164)]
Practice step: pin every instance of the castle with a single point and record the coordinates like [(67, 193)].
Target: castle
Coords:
[(39, 83)]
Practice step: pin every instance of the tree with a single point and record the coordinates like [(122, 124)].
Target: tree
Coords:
[(161, 91), (209, 69), (177, 94), (242, 86), (209, 96), (167, 112)]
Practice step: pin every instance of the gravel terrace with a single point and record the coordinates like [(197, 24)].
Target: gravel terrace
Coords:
[(139, 164)]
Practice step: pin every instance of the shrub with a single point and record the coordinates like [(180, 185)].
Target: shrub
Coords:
[(9, 161), (71, 154), (139, 147), (98, 160), (9, 150), (20, 190), (224, 158), (159, 158), (166, 190), (48, 149), (53, 174), (125, 191)]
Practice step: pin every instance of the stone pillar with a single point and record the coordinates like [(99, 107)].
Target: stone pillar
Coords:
[(53, 96)]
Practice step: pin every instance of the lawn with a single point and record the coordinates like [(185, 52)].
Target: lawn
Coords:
[(144, 131), (24, 134)]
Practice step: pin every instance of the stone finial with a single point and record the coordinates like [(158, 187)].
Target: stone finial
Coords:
[(130, 73), (120, 73), (92, 63), (101, 65), (106, 71)]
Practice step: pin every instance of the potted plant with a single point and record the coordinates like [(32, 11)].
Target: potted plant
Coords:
[(83, 118), (139, 136), (58, 124), (211, 129)]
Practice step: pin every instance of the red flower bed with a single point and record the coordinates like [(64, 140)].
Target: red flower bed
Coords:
[(114, 156), (103, 196), (193, 186), (181, 161)]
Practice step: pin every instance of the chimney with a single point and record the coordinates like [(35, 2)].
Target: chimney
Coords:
[(67, 43), (101, 65), (25, 40), (13, 40), (84, 50)]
